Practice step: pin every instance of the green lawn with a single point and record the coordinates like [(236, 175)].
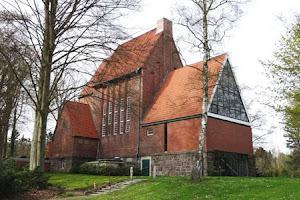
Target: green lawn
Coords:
[(217, 188), (80, 181)]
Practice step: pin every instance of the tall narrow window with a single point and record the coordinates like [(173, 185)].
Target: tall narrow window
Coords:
[(109, 117), (104, 119), (122, 116), (127, 129), (115, 117), (166, 137)]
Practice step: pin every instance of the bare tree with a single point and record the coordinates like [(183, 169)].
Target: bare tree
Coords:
[(62, 36), (10, 88), (207, 21)]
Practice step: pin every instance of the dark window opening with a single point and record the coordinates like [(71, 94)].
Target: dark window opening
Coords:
[(149, 131), (166, 137)]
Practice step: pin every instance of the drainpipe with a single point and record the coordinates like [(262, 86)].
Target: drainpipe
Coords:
[(139, 71)]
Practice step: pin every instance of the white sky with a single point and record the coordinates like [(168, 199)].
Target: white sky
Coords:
[(253, 39)]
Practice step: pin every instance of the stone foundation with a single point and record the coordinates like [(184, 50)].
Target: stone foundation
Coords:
[(173, 164), (65, 164), (228, 164), (217, 163)]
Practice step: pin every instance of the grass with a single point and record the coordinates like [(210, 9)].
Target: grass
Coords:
[(216, 188), (80, 181)]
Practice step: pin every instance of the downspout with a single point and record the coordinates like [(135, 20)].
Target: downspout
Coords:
[(139, 71)]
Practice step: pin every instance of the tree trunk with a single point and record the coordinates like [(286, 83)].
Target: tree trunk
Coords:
[(4, 127), (37, 150), (198, 169), (13, 134)]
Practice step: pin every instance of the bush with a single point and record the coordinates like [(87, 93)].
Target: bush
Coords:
[(87, 168), (15, 180), (95, 169)]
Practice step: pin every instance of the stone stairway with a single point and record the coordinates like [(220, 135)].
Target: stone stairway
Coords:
[(114, 187)]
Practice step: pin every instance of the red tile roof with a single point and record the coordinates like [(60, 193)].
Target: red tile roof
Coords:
[(125, 59), (81, 120), (181, 93)]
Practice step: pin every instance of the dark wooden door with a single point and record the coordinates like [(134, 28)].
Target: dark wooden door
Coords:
[(146, 167)]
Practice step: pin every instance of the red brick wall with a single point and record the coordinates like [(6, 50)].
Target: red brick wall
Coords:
[(163, 59), (48, 149), (119, 145), (230, 137), (150, 144), (122, 145), (62, 143), (65, 145), (85, 147), (183, 135)]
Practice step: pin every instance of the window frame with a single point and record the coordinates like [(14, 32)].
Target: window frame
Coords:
[(149, 129), (104, 107), (128, 115), (122, 116)]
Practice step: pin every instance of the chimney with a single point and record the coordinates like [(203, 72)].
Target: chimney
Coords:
[(164, 25)]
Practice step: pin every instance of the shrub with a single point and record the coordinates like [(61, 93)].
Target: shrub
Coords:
[(15, 180), (87, 168), (74, 170)]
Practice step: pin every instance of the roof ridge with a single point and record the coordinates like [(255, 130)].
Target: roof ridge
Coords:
[(75, 102), (212, 58)]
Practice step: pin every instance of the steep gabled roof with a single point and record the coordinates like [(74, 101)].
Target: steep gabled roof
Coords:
[(127, 57), (181, 93), (81, 120)]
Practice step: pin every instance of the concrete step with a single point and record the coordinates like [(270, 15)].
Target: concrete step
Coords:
[(115, 187)]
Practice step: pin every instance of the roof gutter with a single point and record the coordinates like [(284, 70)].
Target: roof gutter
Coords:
[(171, 120), (117, 79)]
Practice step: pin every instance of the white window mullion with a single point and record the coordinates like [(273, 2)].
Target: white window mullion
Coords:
[(109, 117), (115, 117), (122, 116), (127, 129), (104, 120)]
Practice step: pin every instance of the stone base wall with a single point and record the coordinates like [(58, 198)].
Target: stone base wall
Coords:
[(65, 164), (252, 165), (176, 164), (217, 163)]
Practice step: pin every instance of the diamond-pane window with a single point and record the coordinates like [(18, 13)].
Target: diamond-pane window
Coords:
[(227, 99)]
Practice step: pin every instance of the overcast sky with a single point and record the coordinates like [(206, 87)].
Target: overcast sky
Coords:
[(253, 39)]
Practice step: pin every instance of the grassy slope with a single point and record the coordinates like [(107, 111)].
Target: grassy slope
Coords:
[(80, 181), (217, 188)]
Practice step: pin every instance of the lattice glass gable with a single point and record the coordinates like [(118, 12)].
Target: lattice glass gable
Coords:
[(227, 99)]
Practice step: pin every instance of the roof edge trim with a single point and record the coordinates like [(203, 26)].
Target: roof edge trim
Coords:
[(118, 78), (213, 115), (171, 120), (217, 82), (79, 136)]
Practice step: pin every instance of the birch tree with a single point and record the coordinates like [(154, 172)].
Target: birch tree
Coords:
[(63, 36), (207, 22)]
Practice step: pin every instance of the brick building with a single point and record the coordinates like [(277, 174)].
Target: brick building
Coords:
[(143, 106)]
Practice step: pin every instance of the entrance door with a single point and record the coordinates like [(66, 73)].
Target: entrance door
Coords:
[(145, 167)]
